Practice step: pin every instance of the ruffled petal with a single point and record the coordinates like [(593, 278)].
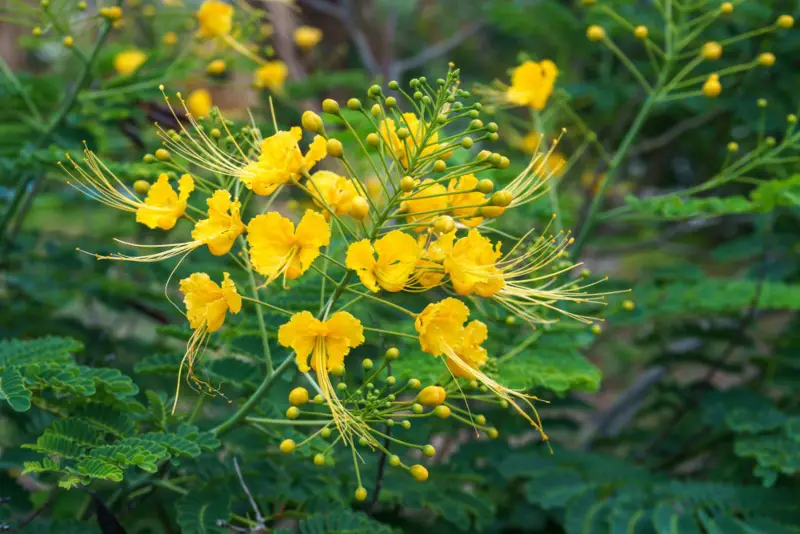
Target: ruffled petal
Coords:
[(300, 333), (361, 259), (271, 239)]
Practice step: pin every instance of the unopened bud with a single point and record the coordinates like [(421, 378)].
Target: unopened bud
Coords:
[(444, 224), (311, 121), (330, 106), (485, 186), (354, 104), (162, 154), (502, 198), (334, 148), (595, 33), (439, 166), (141, 186)]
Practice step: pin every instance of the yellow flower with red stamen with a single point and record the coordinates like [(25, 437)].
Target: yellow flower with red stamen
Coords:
[(223, 226), (281, 161), (397, 257), (532, 84), (163, 206), (215, 18), (276, 248)]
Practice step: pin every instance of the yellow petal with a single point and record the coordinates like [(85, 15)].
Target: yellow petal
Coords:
[(361, 259), (312, 233), (344, 333), (397, 256), (441, 325), (271, 239), (300, 333), (316, 151), (230, 294)]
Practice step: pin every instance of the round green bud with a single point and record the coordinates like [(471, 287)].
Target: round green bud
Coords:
[(406, 424), (287, 446), (423, 79), (293, 412), (391, 380), (413, 83), (414, 383), (330, 106), (319, 399), (390, 422), (466, 143), (376, 111), (791, 118), (457, 106), (361, 494), (393, 85), (373, 140), (439, 165), (484, 154), (450, 99), (761, 102), (391, 102), (440, 81), (477, 124), (363, 442), (418, 95), (480, 419), (149, 158), (429, 451), (770, 141), (334, 148), (504, 162), (427, 100), (733, 147), (441, 118), (141, 186), (495, 159), (511, 320), (325, 432), (341, 386), (215, 133), (403, 133), (374, 90), (162, 154), (407, 184), (393, 353), (367, 364), (504, 404), (493, 137), (483, 389), (596, 329), (419, 473), (37, 31), (473, 384), (628, 305), (394, 460), (492, 433), (474, 114), (319, 460), (354, 104), (442, 411), (486, 186), (416, 408), (338, 370), (492, 127)]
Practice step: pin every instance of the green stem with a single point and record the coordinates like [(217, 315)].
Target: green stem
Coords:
[(552, 190), (262, 327)]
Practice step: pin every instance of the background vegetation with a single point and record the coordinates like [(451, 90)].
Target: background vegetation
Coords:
[(678, 414)]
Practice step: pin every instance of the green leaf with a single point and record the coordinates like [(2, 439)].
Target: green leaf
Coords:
[(343, 520), (199, 511), (12, 389), (112, 380), (98, 468), (56, 445), (18, 353), (158, 364), (176, 445), (742, 420), (47, 465), (558, 371), (76, 430), (107, 419), (669, 520), (156, 408)]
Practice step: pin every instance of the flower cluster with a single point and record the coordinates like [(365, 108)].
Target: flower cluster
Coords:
[(423, 222)]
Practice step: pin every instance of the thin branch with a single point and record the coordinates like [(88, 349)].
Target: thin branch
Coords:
[(436, 50), (259, 517), (648, 145)]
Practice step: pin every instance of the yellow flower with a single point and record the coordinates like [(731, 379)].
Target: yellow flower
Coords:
[(416, 145), (430, 197), (442, 333), (532, 84), (207, 302), (277, 248), (129, 61), (464, 198), (337, 192), (531, 142), (170, 38), (429, 271), (472, 266), (199, 103), (223, 226), (215, 18), (163, 206), (470, 351), (326, 343), (281, 161), (271, 75), (307, 36), (206, 306), (397, 256)]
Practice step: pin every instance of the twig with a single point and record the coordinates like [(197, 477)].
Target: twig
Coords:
[(648, 145), (434, 51), (387, 441), (259, 518)]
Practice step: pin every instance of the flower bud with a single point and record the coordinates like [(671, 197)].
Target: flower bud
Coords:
[(391, 102), (406, 424), (770, 141), (298, 396), (287, 446), (393, 85), (334, 148), (359, 208), (216, 67), (162, 154), (485, 186), (712, 88), (407, 184), (492, 127), (361, 494), (376, 111), (82, 5), (491, 211), (466, 143), (439, 166), (367, 364), (480, 419), (374, 90), (595, 33), (640, 32), (628, 305), (325, 433), (37, 31), (484, 154), (726, 8), (354, 104), (373, 140), (785, 22), (417, 408), (149, 158), (502, 198), (417, 95), (791, 118), (292, 412), (477, 124), (311, 121), (330, 106), (442, 412), (596, 329), (444, 224), (68, 41), (767, 59), (492, 433), (711, 51), (762, 102), (319, 460), (141, 186), (390, 380), (733, 147), (363, 441), (475, 114), (504, 163), (429, 451), (403, 133), (419, 473), (394, 460), (319, 399), (432, 396), (414, 383), (392, 353)]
